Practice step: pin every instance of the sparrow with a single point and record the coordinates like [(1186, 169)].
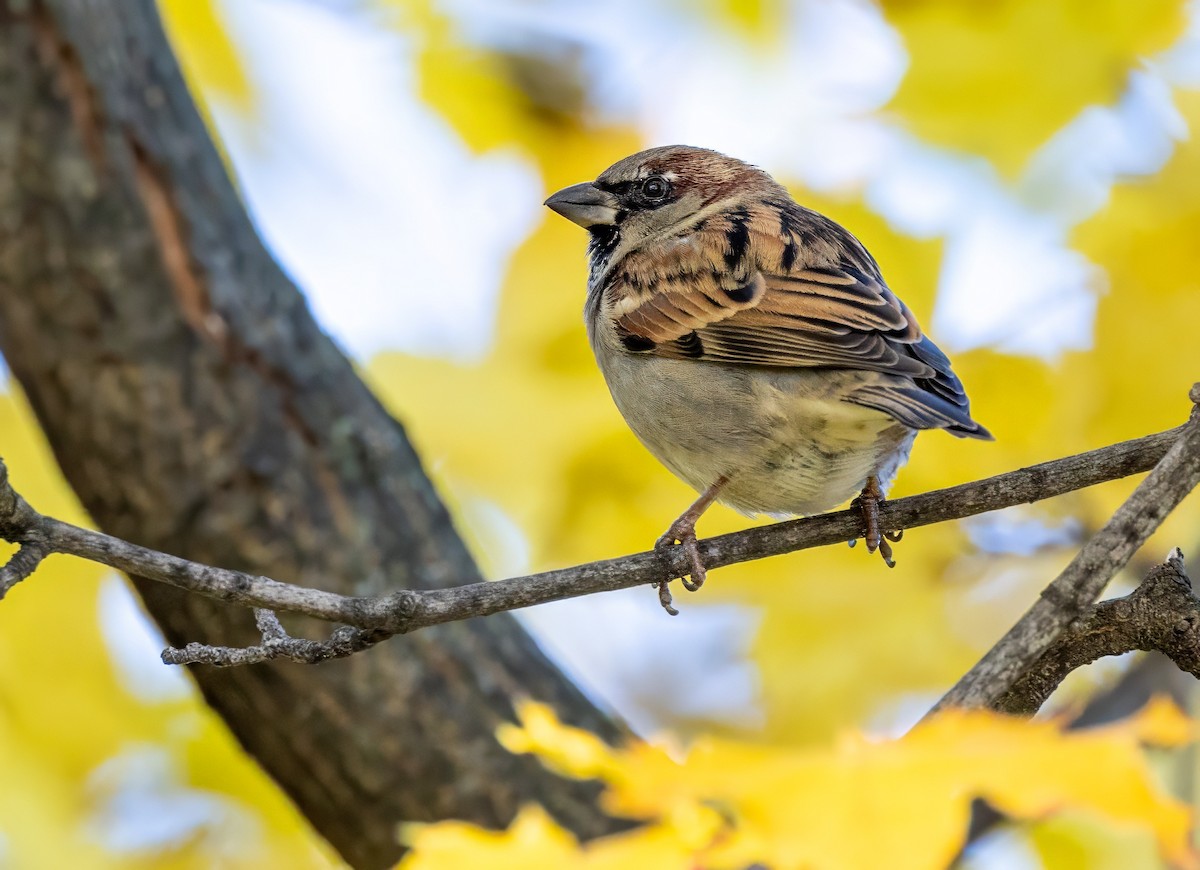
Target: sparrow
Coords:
[(752, 344)]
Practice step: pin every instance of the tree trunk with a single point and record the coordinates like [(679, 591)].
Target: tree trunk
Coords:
[(196, 408)]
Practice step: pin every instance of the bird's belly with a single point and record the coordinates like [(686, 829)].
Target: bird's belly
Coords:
[(785, 440)]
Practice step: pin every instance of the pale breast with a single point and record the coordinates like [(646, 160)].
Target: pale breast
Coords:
[(785, 440)]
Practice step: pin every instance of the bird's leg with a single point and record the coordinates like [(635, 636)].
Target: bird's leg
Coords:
[(869, 502), (683, 530)]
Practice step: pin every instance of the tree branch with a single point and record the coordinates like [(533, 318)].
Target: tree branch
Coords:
[(1082, 581), (370, 620), (1162, 614)]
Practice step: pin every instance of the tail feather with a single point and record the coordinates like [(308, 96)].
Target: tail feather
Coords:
[(918, 408)]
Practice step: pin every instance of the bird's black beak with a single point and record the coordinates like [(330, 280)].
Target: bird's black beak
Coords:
[(585, 204)]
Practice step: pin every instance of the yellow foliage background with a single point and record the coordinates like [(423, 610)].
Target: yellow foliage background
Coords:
[(528, 429), (902, 803)]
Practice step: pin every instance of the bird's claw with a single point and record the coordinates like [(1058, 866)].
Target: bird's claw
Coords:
[(664, 596), (686, 538), (869, 503), (885, 551)]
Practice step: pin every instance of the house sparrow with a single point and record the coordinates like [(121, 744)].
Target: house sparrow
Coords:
[(751, 343)]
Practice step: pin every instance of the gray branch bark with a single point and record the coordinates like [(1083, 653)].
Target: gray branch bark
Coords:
[(1162, 614), (196, 408)]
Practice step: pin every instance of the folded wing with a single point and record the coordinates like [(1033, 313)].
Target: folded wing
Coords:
[(833, 316)]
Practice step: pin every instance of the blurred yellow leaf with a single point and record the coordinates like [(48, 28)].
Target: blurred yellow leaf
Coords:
[(569, 751), (206, 52), (787, 808), (761, 21), (532, 96), (1079, 841), (999, 78), (533, 840)]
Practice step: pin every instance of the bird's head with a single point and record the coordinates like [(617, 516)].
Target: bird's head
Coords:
[(657, 194)]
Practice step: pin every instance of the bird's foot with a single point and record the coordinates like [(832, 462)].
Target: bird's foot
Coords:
[(869, 502), (683, 532)]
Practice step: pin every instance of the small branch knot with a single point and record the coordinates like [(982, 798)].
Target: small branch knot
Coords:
[(394, 612)]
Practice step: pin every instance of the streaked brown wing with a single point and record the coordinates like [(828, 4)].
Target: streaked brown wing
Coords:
[(810, 318)]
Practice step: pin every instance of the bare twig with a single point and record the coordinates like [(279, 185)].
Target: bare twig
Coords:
[(277, 644), (1082, 581), (408, 610), (23, 563)]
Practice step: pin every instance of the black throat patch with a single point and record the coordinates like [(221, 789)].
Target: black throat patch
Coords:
[(602, 241)]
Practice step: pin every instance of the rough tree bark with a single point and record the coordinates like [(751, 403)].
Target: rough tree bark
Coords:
[(196, 408)]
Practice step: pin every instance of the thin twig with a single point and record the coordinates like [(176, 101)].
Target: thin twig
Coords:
[(22, 563), (408, 610), (277, 644)]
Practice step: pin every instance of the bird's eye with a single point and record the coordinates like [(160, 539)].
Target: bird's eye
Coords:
[(655, 188)]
